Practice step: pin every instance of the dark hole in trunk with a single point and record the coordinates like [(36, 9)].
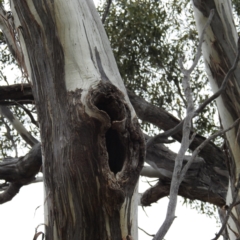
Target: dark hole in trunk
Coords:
[(115, 151), (111, 106), (115, 147)]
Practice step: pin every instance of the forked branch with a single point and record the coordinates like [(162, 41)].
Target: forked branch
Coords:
[(179, 173)]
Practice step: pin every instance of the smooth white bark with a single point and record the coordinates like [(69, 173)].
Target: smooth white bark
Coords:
[(88, 60)]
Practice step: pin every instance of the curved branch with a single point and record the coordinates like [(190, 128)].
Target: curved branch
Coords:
[(212, 155), (10, 192), (202, 181), (19, 172), (18, 126)]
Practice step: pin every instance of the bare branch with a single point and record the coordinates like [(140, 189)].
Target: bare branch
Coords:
[(151, 235), (199, 148), (187, 124), (10, 137), (10, 193), (202, 182), (28, 112), (37, 234), (16, 92), (19, 171), (150, 172), (158, 138), (4, 186), (18, 126), (106, 12)]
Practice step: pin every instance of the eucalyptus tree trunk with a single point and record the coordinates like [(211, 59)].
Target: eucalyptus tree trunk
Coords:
[(219, 51), (92, 145)]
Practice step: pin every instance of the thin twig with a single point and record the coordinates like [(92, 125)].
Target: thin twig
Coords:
[(20, 104), (10, 137), (18, 126), (28, 112), (236, 221), (185, 143), (151, 235)]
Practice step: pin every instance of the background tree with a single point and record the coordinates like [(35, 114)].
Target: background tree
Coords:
[(148, 65)]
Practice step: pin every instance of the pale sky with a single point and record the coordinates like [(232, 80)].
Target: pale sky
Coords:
[(24, 213)]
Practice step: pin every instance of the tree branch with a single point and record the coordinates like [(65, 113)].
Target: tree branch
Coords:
[(10, 137), (20, 171), (199, 148), (16, 92), (158, 138), (10, 192), (185, 143), (18, 126), (106, 12), (202, 181), (150, 235), (212, 155)]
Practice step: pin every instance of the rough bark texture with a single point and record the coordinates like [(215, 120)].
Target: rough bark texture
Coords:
[(97, 170), (92, 146)]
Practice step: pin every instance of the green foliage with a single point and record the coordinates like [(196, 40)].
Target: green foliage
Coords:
[(148, 38), (202, 207), (236, 6)]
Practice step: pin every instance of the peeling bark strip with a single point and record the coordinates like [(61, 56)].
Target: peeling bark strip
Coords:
[(219, 51), (92, 145)]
